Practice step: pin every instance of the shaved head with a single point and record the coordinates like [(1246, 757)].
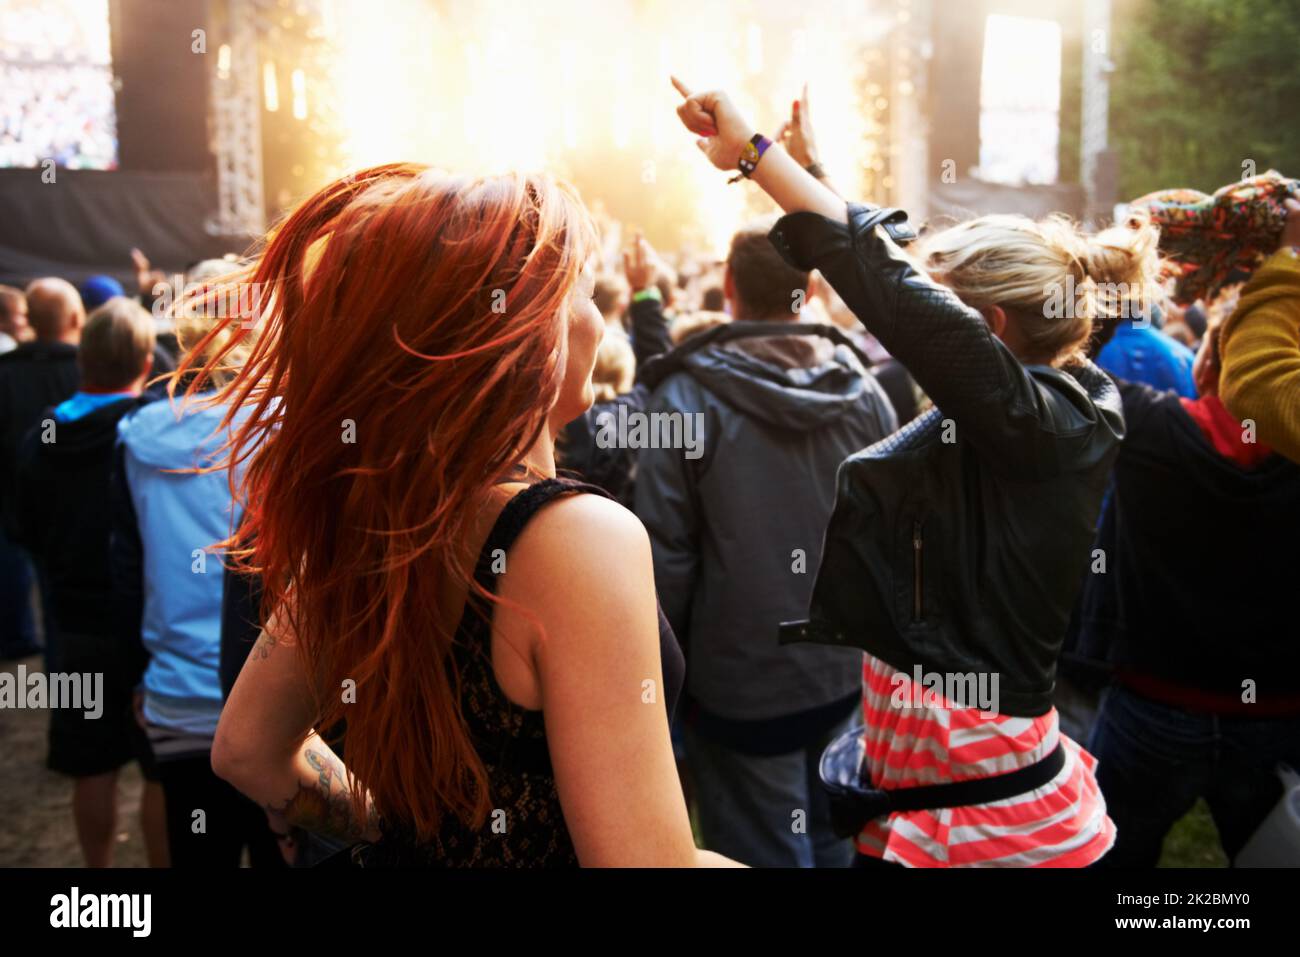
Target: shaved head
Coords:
[(54, 310)]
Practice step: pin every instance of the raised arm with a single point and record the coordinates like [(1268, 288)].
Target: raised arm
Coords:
[(722, 133), (796, 135), (650, 335), (1260, 347), (946, 346)]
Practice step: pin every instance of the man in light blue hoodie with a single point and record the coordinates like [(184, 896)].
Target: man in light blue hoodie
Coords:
[(167, 517)]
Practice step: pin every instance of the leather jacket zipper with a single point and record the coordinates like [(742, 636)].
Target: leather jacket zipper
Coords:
[(918, 550)]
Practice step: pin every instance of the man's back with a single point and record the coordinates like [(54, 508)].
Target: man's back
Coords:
[(63, 510), (1196, 514), (33, 377), (737, 531)]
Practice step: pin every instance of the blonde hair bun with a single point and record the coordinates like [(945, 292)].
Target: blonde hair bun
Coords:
[(1052, 278)]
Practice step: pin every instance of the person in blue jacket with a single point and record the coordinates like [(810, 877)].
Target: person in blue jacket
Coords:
[(167, 515), (1139, 352)]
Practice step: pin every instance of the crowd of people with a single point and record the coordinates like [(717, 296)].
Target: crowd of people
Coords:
[(464, 546), (56, 87)]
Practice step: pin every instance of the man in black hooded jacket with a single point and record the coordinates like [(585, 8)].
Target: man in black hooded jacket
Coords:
[(61, 513), (736, 520)]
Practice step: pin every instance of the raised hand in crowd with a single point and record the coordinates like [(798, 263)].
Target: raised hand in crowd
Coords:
[(146, 277), (724, 133), (640, 264), (796, 135)]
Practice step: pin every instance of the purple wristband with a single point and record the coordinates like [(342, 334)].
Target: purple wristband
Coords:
[(752, 153)]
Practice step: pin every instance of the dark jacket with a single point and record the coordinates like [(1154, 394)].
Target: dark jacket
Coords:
[(960, 543), (1198, 586), (241, 615), (62, 498), (736, 531), (898, 385), (34, 377)]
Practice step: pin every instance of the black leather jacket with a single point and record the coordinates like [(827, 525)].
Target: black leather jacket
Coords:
[(960, 542)]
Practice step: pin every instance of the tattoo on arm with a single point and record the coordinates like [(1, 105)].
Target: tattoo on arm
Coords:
[(322, 807), (266, 643)]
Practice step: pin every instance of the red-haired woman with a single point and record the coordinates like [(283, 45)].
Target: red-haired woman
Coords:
[(488, 633)]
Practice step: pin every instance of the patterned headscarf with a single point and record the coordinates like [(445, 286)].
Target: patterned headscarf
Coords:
[(1210, 241)]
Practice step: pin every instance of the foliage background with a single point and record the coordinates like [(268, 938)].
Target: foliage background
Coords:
[(1200, 87)]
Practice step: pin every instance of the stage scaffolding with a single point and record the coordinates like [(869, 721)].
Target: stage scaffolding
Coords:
[(236, 124), (1096, 107)]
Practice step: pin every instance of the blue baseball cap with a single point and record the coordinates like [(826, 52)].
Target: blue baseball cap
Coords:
[(97, 290)]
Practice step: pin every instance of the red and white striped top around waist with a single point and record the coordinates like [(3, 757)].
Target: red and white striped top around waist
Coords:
[(912, 740)]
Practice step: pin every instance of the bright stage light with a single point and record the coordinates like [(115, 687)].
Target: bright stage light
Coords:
[(582, 90), (270, 87), (1020, 100), (298, 83)]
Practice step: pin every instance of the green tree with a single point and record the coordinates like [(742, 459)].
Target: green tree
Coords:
[(1200, 88)]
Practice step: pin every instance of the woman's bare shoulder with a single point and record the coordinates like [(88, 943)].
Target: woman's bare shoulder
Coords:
[(582, 535), (583, 566)]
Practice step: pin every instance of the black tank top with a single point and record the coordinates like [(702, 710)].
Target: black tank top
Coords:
[(510, 740)]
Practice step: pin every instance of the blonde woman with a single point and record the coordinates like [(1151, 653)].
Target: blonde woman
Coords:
[(615, 370), (958, 545)]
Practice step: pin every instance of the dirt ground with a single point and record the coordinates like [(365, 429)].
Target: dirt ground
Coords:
[(36, 828)]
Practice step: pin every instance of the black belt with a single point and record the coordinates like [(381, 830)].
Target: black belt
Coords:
[(853, 805)]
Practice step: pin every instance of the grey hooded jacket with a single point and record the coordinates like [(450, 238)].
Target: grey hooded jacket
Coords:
[(736, 523)]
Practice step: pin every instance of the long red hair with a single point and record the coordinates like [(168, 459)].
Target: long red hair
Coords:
[(407, 343)]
